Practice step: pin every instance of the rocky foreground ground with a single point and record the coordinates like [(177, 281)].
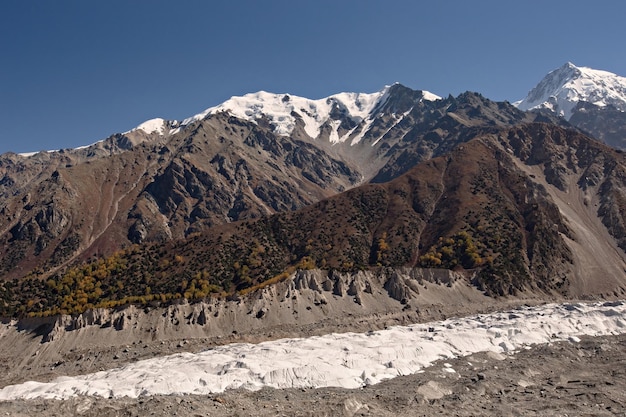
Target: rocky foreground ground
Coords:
[(561, 379)]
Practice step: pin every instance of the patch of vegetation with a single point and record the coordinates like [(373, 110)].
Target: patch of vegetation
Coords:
[(458, 250)]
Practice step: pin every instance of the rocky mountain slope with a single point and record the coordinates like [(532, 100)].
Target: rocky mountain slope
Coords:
[(248, 158), (275, 216), (592, 100), (533, 207)]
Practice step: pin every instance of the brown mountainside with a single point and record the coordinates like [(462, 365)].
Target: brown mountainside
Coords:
[(220, 170), (524, 201), (62, 207), (531, 207)]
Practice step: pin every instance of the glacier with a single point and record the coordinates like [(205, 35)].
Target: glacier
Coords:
[(349, 360)]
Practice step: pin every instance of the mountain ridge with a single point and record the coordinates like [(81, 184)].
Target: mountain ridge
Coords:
[(591, 100), (284, 111), (509, 207), (561, 89), (142, 187), (220, 176)]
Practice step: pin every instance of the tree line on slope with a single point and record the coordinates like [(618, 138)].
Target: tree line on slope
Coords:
[(155, 275)]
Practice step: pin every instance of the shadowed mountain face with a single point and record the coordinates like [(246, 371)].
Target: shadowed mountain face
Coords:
[(607, 124), (460, 183)]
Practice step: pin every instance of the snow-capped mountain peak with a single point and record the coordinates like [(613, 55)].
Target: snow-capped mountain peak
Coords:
[(280, 109), (562, 89), (284, 110)]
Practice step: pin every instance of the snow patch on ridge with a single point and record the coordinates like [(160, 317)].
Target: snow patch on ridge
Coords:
[(349, 360), (428, 96), (156, 125)]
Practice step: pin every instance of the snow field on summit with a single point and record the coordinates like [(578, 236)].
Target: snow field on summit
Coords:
[(280, 109)]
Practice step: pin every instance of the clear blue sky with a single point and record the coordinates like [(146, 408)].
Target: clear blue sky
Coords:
[(75, 72)]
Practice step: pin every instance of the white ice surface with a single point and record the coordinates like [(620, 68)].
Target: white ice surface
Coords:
[(29, 154), (349, 360)]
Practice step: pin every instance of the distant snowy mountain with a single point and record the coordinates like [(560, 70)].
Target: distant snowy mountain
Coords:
[(249, 157), (592, 100), (562, 89), (336, 118), (284, 112)]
